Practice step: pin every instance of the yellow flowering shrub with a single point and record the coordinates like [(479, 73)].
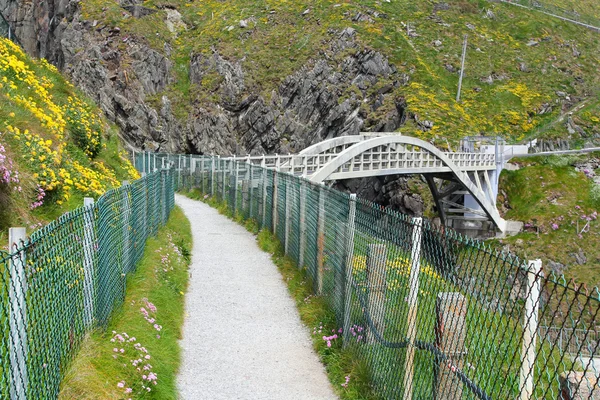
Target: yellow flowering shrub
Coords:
[(41, 122)]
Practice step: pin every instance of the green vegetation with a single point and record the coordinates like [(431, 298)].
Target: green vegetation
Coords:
[(55, 147), (158, 284), (282, 36), (555, 201)]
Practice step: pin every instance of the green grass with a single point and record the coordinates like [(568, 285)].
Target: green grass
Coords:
[(546, 191), (94, 372), (280, 40)]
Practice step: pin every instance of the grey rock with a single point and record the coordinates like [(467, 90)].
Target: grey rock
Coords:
[(532, 43), (437, 43), (361, 17), (243, 23), (523, 67), (305, 12), (573, 128), (545, 108), (489, 80), (555, 267), (579, 257), (441, 6), (450, 68), (490, 14)]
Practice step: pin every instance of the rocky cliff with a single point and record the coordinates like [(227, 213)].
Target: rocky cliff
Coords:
[(120, 72), (332, 95)]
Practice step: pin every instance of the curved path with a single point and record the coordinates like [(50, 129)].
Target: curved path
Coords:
[(242, 335)]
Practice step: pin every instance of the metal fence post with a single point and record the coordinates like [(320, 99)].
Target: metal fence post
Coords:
[(224, 168), (18, 344), (126, 226), (275, 195), (376, 289), (212, 176), (263, 179), (337, 260), (302, 241), (163, 195), (450, 334), (245, 190), (235, 185), (288, 214), (320, 240), (179, 172), (530, 327), (88, 262), (349, 256), (250, 188), (412, 306)]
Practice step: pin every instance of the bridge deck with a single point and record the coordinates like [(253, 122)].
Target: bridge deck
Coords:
[(242, 336)]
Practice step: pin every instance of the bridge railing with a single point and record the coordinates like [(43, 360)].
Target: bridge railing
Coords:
[(431, 314), (66, 279)]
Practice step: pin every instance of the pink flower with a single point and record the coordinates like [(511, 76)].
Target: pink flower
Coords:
[(121, 384), (128, 390)]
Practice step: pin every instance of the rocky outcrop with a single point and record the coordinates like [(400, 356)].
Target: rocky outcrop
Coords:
[(324, 99), (348, 89)]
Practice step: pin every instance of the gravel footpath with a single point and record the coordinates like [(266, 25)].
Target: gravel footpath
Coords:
[(242, 335)]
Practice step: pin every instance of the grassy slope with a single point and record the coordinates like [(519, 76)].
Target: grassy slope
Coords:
[(549, 191), (279, 40), (95, 373), (53, 138)]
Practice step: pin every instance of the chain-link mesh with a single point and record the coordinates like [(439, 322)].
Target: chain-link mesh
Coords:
[(68, 277), (431, 313)]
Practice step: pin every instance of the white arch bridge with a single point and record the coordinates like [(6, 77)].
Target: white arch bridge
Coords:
[(464, 185)]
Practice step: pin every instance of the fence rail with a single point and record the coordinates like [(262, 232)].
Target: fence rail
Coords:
[(67, 278), (569, 15), (431, 313)]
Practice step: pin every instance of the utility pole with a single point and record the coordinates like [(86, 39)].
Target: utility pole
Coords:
[(462, 68)]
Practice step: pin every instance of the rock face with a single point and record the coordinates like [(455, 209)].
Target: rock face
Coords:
[(322, 100), (346, 91), (386, 190)]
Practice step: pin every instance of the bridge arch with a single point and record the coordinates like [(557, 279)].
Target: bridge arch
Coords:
[(328, 145), (360, 144)]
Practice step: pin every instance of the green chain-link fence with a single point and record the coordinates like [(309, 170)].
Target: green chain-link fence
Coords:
[(68, 277), (432, 313)]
